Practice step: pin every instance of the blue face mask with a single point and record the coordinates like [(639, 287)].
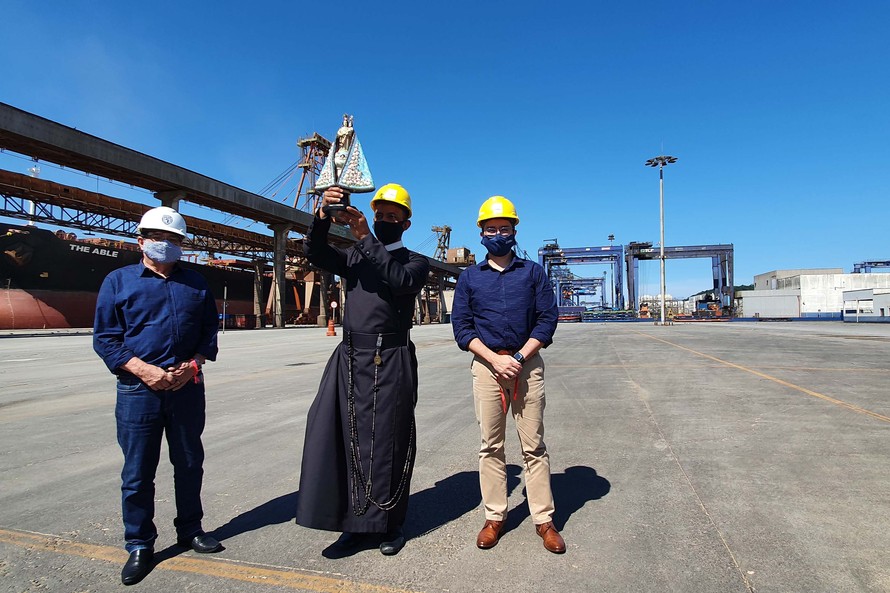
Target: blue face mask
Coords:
[(162, 252), (499, 245)]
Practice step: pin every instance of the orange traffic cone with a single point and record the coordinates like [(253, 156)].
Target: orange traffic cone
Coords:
[(331, 331)]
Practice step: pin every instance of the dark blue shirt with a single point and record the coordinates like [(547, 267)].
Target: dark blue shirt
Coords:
[(163, 321), (504, 309)]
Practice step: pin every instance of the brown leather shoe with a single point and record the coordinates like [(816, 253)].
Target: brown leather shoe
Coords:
[(553, 542), (491, 532)]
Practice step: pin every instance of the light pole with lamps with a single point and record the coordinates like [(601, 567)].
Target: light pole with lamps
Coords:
[(614, 306), (660, 162)]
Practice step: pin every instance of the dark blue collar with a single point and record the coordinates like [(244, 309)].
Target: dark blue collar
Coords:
[(148, 271), (516, 262)]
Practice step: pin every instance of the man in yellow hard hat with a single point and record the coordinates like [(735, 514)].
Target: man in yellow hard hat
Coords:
[(359, 449), (504, 312)]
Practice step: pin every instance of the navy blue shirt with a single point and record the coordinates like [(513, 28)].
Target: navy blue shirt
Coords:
[(504, 309), (162, 321)]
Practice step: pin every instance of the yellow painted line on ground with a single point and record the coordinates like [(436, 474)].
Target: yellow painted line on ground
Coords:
[(217, 567), (828, 369), (644, 365), (809, 392)]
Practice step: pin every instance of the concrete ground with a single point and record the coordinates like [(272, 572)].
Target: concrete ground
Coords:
[(709, 458)]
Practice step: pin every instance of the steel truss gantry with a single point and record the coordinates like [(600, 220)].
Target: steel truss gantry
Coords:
[(39, 200), (576, 287), (556, 259), (721, 265), (72, 207)]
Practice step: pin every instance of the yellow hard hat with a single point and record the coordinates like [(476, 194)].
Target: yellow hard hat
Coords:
[(497, 207), (395, 193)]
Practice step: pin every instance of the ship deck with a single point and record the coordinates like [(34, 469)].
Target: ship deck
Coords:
[(725, 457)]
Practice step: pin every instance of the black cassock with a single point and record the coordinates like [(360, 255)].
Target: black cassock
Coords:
[(361, 403)]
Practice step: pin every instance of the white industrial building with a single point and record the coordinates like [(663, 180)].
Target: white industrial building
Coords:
[(869, 305), (781, 279), (805, 294)]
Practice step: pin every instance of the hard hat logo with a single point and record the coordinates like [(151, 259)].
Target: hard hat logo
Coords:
[(497, 207), (167, 219), (395, 193)]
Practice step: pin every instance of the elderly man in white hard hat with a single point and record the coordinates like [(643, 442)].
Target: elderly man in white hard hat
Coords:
[(156, 325)]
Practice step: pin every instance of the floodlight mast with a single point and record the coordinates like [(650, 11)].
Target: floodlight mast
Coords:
[(660, 162)]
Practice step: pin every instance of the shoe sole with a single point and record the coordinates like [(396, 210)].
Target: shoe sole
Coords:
[(135, 579), (218, 548)]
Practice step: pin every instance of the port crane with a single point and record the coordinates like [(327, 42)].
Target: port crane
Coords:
[(554, 259)]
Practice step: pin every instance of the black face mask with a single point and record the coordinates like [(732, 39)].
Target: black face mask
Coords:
[(388, 232)]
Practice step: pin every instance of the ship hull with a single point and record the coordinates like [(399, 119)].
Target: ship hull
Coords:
[(49, 281)]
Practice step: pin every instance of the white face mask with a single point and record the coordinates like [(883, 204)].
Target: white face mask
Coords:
[(162, 252)]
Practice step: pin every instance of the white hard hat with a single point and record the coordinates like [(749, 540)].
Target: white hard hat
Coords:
[(162, 218)]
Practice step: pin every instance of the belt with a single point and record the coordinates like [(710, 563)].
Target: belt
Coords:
[(505, 394), (370, 341), (127, 377)]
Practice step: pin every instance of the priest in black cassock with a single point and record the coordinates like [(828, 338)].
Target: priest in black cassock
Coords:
[(359, 451)]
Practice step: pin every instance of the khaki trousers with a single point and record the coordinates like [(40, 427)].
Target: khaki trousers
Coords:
[(528, 414)]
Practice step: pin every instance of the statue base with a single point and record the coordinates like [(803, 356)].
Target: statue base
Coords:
[(341, 206)]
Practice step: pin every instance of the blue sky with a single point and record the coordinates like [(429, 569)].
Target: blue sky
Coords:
[(778, 112)]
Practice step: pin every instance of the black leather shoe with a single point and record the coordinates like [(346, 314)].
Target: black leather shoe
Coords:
[(348, 541), (348, 544), (138, 565), (392, 543), (201, 543)]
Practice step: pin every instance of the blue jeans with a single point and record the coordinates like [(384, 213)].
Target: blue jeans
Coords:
[(143, 416)]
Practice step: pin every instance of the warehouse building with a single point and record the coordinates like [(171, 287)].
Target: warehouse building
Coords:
[(805, 294), (869, 305)]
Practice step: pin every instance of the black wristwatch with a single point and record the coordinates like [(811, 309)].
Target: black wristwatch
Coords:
[(519, 357)]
